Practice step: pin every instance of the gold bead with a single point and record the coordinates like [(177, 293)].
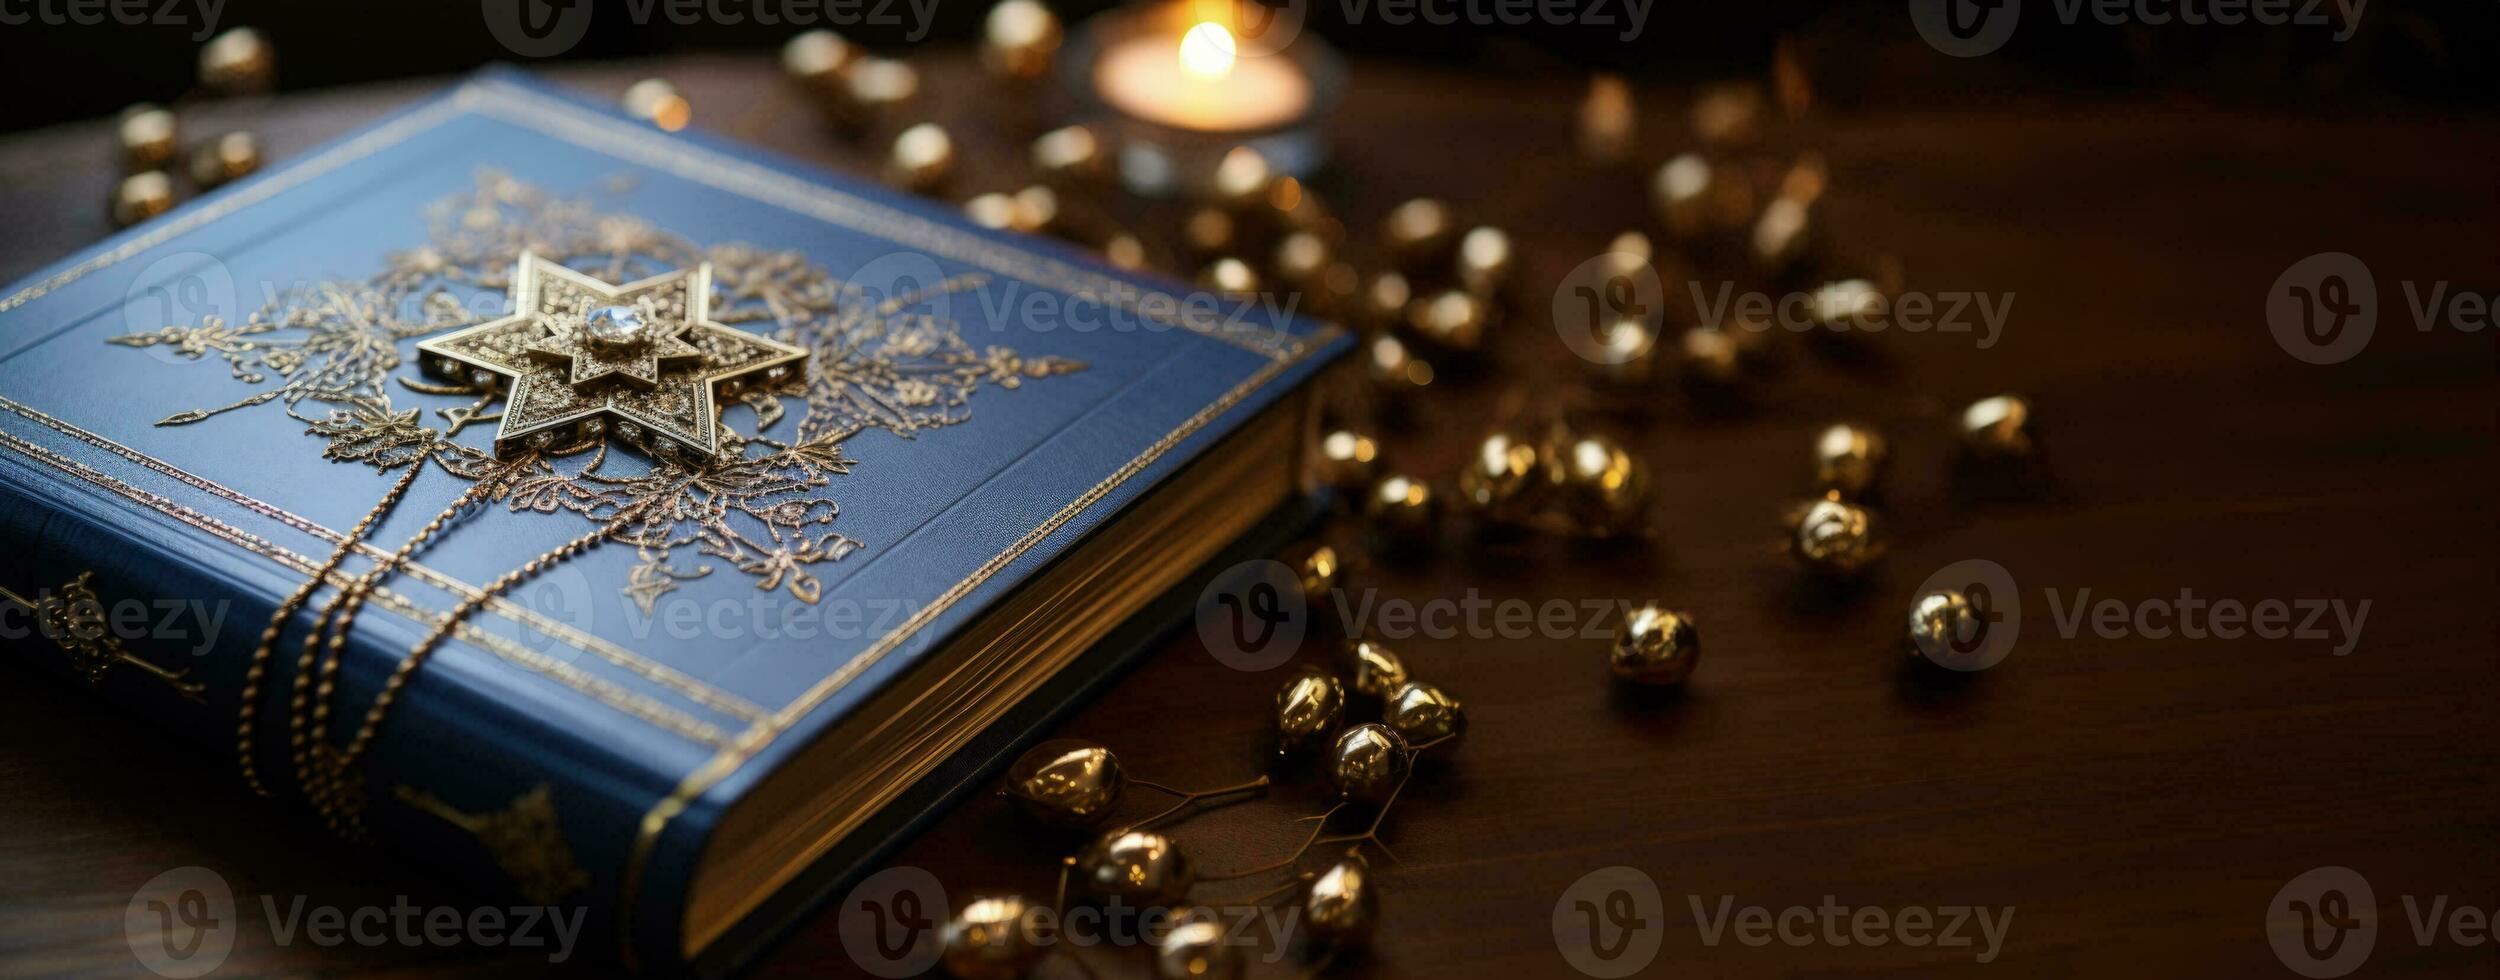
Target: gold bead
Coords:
[(1071, 156), (1838, 307), (922, 159), (1197, 950), (1308, 708), (1850, 460), (2000, 428), (1241, 180), (239, 62), (1066, 783), (1484, 260), (655, 101), (1019, 39), (1418, 234), (1452, 320), (1318, 570), (815, 61), (1504, 481), (1374, 668), (1402, 508), (142, 196), (149, 137), (1348, 460), (1657, 647), (877, 86), (1139, 867), (1421, 713), (1609, 123), (1711, 359), (1728, 114), (1230, 276), (1125, 251), (989, 940), (1341, 908), (1836, 538), (1601, 489), (1943, 628), (1369, 763)]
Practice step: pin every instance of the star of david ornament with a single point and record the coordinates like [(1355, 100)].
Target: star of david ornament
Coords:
[(579, 359)]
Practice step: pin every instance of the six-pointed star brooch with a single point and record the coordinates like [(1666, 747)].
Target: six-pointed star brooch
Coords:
[(579, 358)]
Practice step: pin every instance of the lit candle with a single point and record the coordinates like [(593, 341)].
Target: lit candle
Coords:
[(1199, 82)]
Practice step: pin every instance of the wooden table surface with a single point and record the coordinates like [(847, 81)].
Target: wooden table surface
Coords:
[(2138, 801)]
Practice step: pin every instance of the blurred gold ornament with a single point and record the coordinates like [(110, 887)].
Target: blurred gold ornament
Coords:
[(142, 196), (1609, 129), (1402, 509), (1418, 234), (1308, 710), (1627, 353), (1197, 950), (1139, 867), (1839, 307), (1850, 460), (1373, 667), (1209, 232), (1125, 251), (1657, 647), (1036, 210), (1302, 258), (1422, 714), (992, 210), (1384, 302), (877, 86), (922, 160), (1230, 276), (1599, 488), (1504, 480), (1452, 320), (239, 62), (1693, 197), (1728, 114), (815, 61), (1787, 233), (1484, 260), (1348, 460), (1241, 180), (1066, 783), (1999, 428), (228, 157), (1019, 40), (1835, 537), (1292, 205), (1369, 763), (655, 101), (1072, 156), (1712, 359), (149, 137), (1393, 367), (1628, 254), (1341, 908), (989, 940)]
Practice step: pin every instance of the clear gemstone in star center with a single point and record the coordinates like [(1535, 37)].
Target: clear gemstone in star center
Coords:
[(616, 326)]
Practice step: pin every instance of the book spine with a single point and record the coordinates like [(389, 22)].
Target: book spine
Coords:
[(460, 781)]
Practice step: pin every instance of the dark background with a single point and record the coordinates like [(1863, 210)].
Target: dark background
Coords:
[(2432, 51)]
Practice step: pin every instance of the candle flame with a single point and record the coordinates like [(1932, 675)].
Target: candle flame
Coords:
[(1207, 51)]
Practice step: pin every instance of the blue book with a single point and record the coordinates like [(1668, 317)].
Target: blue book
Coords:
[(626, 520)]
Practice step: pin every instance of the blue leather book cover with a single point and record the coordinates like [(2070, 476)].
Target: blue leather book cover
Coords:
[(688, 451)]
